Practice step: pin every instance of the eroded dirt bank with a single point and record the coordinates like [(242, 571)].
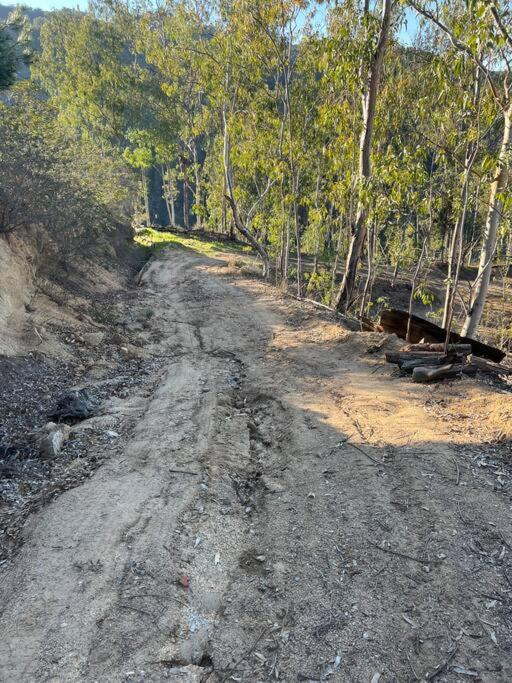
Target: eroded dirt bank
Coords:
[(277, 507)]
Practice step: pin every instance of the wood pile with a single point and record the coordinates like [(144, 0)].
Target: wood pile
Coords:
[(396, 322), (429, 362)]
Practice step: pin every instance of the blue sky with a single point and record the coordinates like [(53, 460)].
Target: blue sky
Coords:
[(407, 32), (52, 4)]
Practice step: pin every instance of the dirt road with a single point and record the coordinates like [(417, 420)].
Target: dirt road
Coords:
[(280, 507)]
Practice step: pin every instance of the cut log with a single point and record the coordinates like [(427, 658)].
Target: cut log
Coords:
[(397, 357), (488, 367), (395, 321), (433, 374), (409, 365), (462, 349)]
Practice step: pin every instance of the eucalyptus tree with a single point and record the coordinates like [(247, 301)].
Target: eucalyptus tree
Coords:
[(101, 85), (176, 40), (482, 31), (373, 39)]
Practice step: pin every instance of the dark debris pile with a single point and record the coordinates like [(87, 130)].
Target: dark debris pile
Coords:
[(32, 389)]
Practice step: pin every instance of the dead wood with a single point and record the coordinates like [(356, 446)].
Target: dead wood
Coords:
[(397, 357), (409, 365), (462, 349), (433, 374), (396, 322), (488, 367)]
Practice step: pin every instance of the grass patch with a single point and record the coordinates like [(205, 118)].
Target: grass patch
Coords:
[(156, 239)]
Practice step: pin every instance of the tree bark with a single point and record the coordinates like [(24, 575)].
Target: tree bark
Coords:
[(455, 256), (230, 197), (481, 285), (198, 186), (346, 291), (146, 196)]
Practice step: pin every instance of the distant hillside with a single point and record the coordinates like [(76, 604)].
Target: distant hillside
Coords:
[(36, 16), (32, 12)]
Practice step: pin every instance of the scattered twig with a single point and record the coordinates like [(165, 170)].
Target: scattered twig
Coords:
[(374, 460), (457, 481), (196, 474), (41, 340), (136, 609), (399, 554), (442, 666), (416, 677)]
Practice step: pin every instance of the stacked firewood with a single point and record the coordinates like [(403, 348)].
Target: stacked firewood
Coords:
[(430, 362)]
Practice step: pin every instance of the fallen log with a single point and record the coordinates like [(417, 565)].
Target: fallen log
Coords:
[(433, 374), (462, 349), (398, 356), (394, 321), (488, 367), (409, 365)]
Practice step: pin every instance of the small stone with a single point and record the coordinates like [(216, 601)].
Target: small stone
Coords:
[(94, 338), (261, 558), (51, 444), (132, 351)]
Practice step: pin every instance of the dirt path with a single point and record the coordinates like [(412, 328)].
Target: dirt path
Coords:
[(279, 508)]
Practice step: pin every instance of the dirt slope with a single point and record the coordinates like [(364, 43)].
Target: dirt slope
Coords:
[(279, 508)]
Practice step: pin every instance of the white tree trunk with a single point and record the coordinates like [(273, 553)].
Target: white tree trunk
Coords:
[(481, 285), (371, 89)]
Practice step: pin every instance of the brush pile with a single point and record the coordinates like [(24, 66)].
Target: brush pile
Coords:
[(428, 362)]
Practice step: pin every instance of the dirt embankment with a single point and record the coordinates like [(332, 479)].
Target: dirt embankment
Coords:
[(277, 505), (65, 322)]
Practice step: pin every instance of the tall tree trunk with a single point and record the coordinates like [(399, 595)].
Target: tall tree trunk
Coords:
[(481, 285), (167, 193), (224, 215), (198, 187), (455, 255), (230, 197), (317, 236), (369, 274), (346, 290), (185, 188), (186, 209), (413, 286), (146, 196)]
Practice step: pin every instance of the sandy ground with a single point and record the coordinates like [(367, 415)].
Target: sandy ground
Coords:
[(280, 507)]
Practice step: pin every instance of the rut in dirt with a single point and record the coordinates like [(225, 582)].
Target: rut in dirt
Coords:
[(275, 511)]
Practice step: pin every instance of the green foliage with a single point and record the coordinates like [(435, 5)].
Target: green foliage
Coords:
[(319, 284), (52, 178), (15, 46), (423, 294), (253, 93), (158, 239)]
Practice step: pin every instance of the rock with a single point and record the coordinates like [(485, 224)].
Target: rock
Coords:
[(94, 338), (131, 351), (272, 485), (77, 404), (117, 338), (50, 444)]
